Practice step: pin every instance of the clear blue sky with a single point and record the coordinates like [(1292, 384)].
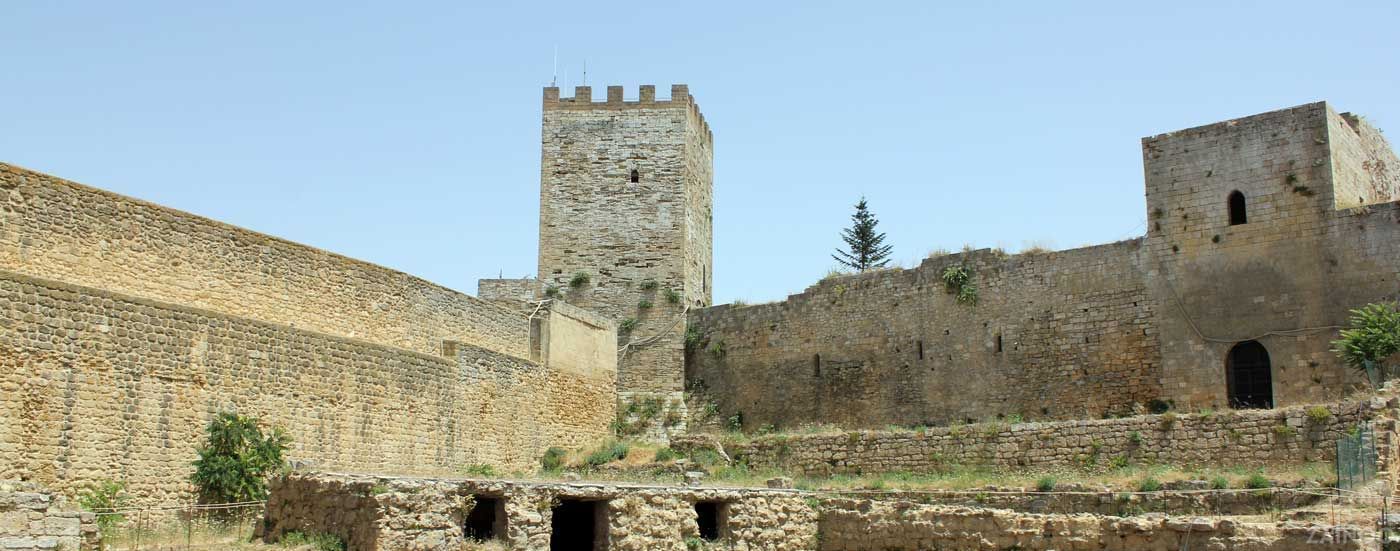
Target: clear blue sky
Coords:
[(408, 134)]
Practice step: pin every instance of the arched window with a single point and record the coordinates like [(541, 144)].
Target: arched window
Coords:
[(1237, 213), (635, 177), (1249, 376)]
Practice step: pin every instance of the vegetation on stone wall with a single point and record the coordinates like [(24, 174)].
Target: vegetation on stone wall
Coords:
[(237, 458), (1373, 336), (958, 281), (105, 496)]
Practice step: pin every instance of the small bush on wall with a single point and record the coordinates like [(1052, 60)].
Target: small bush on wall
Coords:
[(237, 458)]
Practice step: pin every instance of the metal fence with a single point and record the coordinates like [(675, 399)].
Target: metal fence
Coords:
[(177, 528), (1356, 457)]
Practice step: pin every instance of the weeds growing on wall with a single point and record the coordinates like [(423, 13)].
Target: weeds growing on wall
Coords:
[(693, 337), (553, 459), (958, 281), (673, 296), (317, 541), (579, 280), (627, 325), (107, 495), (648, 285), (610, 451), (236, 459), (551, 291)]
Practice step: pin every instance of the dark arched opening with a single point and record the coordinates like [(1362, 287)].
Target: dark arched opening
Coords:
[(635, 177), (1237, 212), (1249, 377)]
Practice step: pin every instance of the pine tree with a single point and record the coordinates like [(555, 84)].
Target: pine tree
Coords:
[(867, 248)]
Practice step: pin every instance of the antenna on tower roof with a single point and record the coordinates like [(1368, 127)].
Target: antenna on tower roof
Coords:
[(554, 78), (585, 71)]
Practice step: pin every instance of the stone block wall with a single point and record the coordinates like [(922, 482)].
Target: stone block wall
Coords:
[(61, 230), (1288, 277), (391, 514), (1105, 329), (98, 385), (372, 513), (1227, 438), (869, 525), (519, 290), (640, 242), (32, 520), (1055, 335)]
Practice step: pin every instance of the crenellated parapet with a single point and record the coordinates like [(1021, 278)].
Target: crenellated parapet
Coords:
[(615, 100)]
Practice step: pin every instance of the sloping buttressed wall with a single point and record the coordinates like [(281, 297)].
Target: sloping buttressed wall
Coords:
[(1057, 335), (1233, 438), (57, 229), (97, 385)]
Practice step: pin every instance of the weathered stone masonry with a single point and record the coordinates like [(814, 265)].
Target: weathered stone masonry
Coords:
[(97, 385), (625, 199), (53, 228), (32, 520), (1098, 330)]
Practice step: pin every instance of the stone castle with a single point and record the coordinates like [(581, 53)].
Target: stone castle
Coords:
[(125, 325)]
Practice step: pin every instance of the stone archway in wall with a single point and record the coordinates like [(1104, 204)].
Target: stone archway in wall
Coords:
[(1249, 376)]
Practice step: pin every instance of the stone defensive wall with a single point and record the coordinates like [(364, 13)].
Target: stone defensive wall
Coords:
[(1053, 335), (1102, 330), (391, 514), (1232, 438), (53, 228), (100, 385)]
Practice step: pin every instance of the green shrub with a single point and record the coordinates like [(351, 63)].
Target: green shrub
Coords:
[(627, 325), (236, 459), (666, 454), (693, 337), (317, 541), (610, 451), (1168, 420), (1135, 438), (1373, 336), (579, 280), (1219, 483), (551, 291), (1149, 484), (1045, 484), (648, 285), (1257, 481), (673, 296), (644, 304), (553, 459), (105, 497), (1285, 431), (717, 349), (1319, 414), (735, 422), (480, 470)]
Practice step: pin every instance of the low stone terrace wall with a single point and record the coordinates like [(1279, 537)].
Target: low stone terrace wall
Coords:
[(372, 513), (1234, 437), (868, 525), (1174, 499), (30, 520)]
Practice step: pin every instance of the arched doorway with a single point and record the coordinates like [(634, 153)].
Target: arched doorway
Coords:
[(1249, 376)]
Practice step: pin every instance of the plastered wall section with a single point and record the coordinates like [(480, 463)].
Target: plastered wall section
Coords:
[(58, 229), (1067, 334), (1286, 278), (638, 243), (97, 385)]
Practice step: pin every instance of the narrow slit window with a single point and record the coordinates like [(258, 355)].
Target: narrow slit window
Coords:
[(634, 177), (920, 346), (998, 343), (1238, 215), (816, 365)]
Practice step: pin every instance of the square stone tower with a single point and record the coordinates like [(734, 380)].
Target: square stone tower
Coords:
[(625, 224)]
